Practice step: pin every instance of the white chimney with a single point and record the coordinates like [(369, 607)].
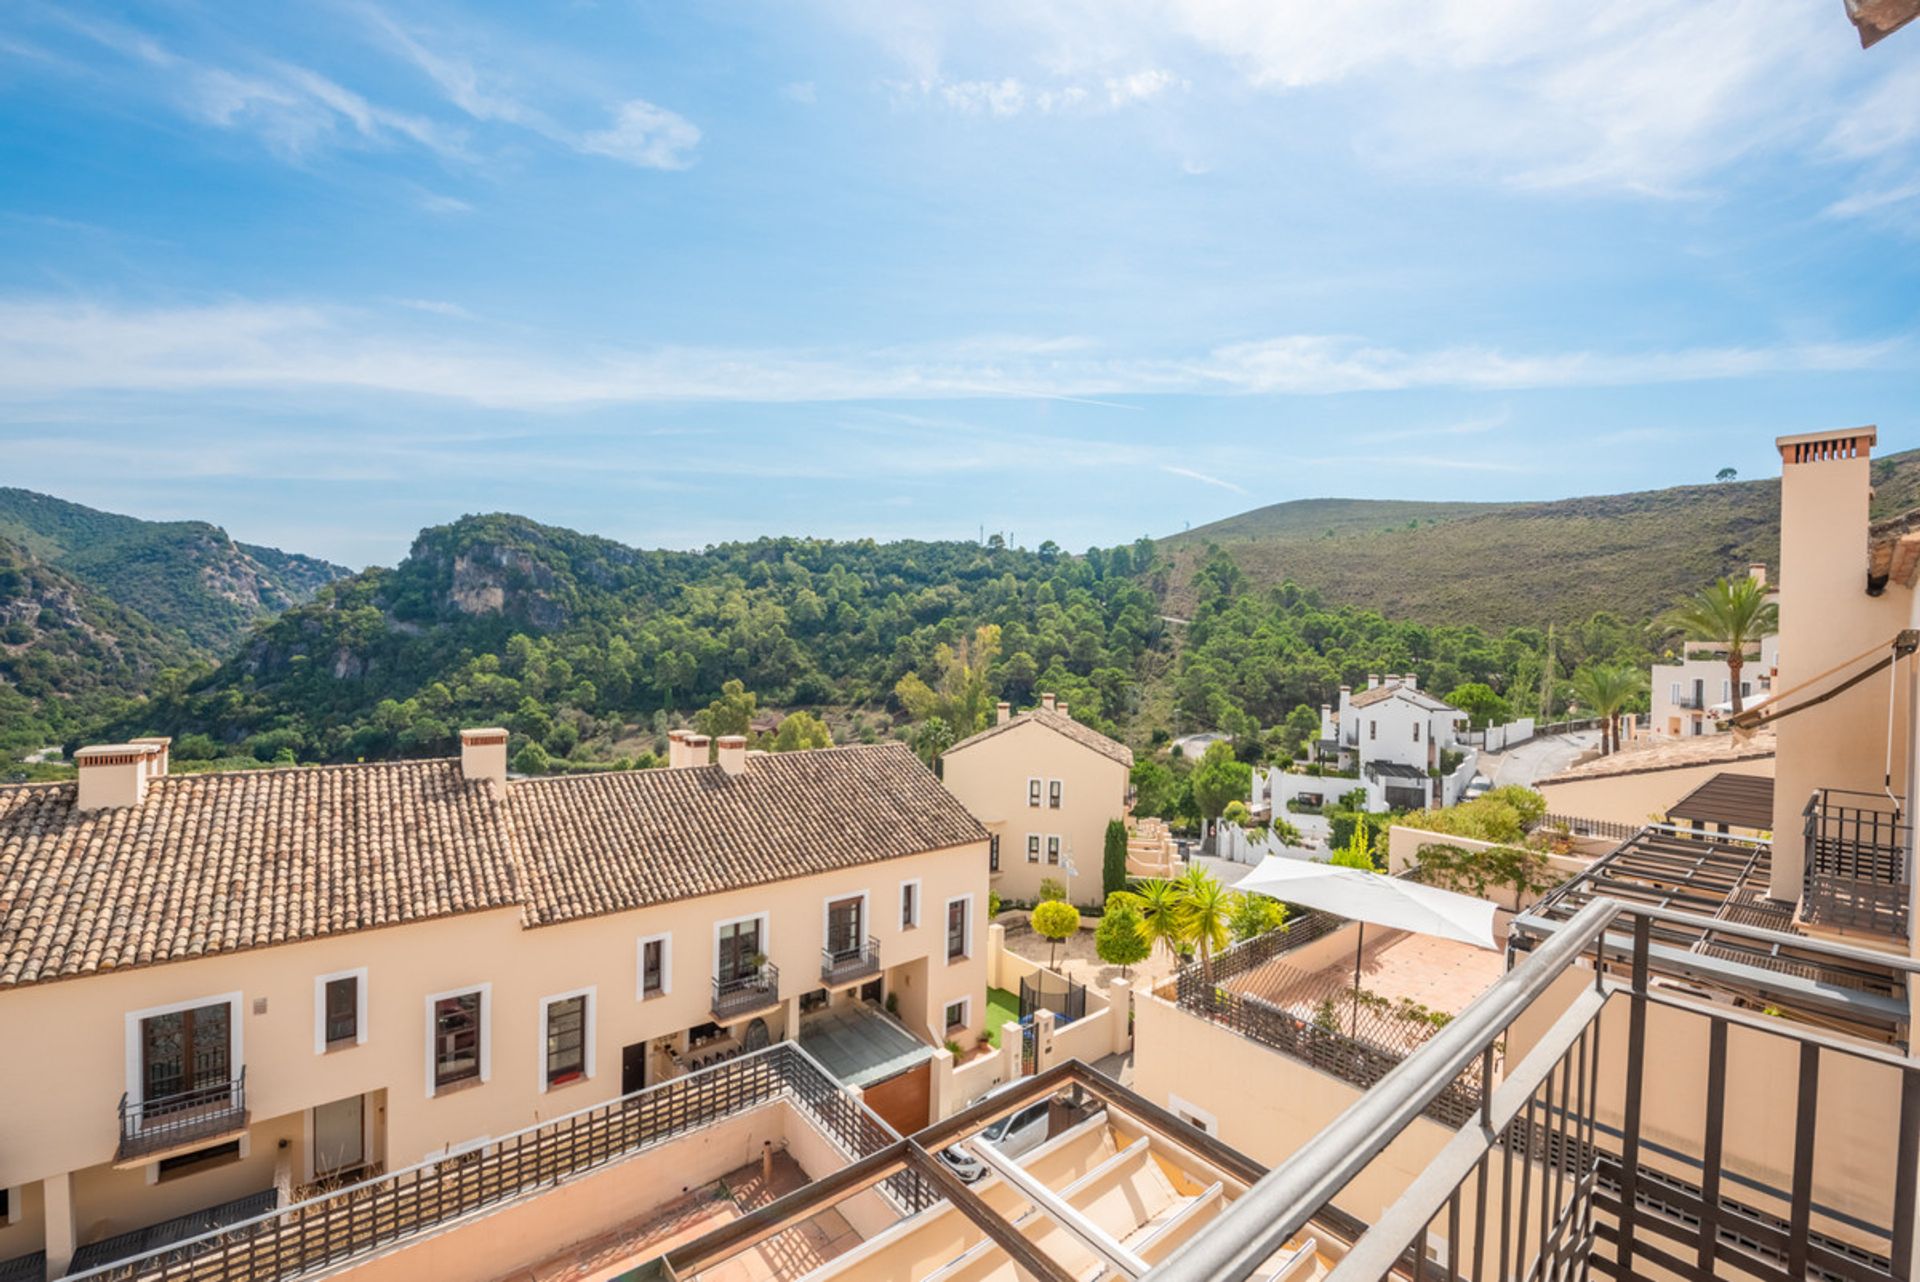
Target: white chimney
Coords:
[(733, 753), (1003, 713), (483, 755), (157, 764), (1758, 573), (114, 775), (695, 746), (1046, 701), (676, 749), (1061, 707), (1373, 680), (1326, 721), (1412, 682)]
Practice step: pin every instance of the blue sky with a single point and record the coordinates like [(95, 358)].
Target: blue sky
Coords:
[(328, 273)]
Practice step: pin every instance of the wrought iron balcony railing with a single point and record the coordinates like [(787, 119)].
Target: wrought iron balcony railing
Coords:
[(848, 965), (744, 994), (1856, 870), (183, 1118)]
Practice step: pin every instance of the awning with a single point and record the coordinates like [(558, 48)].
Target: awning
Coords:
[(860, 1045), (1729, 800), (1394, 770)]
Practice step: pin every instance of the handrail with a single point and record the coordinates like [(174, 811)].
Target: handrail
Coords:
[(1286, 1198)]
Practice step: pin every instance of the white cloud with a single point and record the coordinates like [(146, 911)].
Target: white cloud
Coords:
[(1201, 477), (50, 349), (1007, 96), (645, 135)]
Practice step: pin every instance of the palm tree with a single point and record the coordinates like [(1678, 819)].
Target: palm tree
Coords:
[(1606, 690), (1205, 908), (1733, 614), (1158, 903)]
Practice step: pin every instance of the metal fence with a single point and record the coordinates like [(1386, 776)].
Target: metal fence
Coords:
[(378, 1213), (170, 1121), (1536, 1187), (1607, 828), (1856, 873)]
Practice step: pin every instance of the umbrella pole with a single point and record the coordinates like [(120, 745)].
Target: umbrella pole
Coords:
[(1359, 947)]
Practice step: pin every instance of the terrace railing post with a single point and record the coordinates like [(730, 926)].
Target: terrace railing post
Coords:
[(1636, 1066)]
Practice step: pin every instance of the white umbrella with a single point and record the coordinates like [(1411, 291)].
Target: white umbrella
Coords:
[(1362, 896)]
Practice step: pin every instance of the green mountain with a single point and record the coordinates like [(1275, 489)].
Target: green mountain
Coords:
[(1501, 565), (187, 577)]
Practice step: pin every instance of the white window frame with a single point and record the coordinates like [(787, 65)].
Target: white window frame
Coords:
[(1034, 843), (665, 940), (966, 945), (966, 1013), (1035, 792), (587, 1044), (766, 937), (1673, 693), (486, 1032), (1056, 794), (1054, 847), (320, 982), (236, 1035), (910, 920), (1192, 1113)]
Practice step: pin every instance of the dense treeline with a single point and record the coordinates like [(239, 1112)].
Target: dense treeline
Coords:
[(590, 648)]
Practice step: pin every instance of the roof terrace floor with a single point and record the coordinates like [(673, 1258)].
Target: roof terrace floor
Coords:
[(1440, 974), (789, 1255)]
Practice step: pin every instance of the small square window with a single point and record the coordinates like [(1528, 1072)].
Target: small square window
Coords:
[(957, 1014)]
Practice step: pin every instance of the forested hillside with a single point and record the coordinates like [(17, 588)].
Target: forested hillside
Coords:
[(589, 647)]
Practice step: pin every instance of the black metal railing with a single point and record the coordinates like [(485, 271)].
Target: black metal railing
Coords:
[(1552, 1176), (182, 1118), (1046, 990), (745, 994), (1578, 827), (847, 965), (375, 1215), (1856, 863)]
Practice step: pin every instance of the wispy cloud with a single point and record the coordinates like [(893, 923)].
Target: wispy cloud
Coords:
[(1201, 477), (1007, 96), (53, 347)]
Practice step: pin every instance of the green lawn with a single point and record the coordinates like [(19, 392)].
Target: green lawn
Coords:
[(1003, 1007)]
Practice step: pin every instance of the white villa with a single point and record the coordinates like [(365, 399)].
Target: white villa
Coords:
[(1400, 744), (1689, 695)]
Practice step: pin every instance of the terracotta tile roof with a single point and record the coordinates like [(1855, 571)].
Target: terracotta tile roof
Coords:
[(222, 862), (601, 843), (1085, 736), (1672, 754), (1367, 698), (219, 863)]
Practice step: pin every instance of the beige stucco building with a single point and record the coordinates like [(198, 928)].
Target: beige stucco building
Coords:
[(219, 989), (1045, 787)]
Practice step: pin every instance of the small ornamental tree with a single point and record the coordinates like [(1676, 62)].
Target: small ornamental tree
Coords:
[(1117, 939), (1254, 914), (1055, 920), (1051, 888), (1358, 852), (1113, 863)]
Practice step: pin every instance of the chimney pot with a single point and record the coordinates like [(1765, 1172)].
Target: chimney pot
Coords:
[(1758, 573), (1046, 701), (676, 749), (1373, 680), (157, 764), (1061, 707), (696, 748), (733, 753), (483, 755), (1003, 713), (114, 775)]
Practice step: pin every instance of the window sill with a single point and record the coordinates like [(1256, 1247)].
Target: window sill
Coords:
[(963, 957), (653, 995), (454, 1088), (344, 1044), (562, 1083)]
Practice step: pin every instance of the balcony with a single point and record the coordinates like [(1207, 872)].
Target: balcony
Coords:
[(1856, 870), (843, 966), (736, 999), (189, 1119)]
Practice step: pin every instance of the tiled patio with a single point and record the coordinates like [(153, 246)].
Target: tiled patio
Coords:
[(1440, 974), (792, 1254)]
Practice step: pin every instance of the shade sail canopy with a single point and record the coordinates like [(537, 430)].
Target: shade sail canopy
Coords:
[(1368, 897)]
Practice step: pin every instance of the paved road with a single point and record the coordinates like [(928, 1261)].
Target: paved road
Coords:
[(1538, 759)]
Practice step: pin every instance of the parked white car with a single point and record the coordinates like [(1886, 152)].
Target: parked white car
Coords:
[(1017, 1133)]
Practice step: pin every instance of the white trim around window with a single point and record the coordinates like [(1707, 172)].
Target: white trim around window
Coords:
[(320, 982), (486, 1030), (236, 1030), (1035, 787), (1033, 847), (910, 920), (587, 1020), (966, 929), (766, 938), (866, 916), (640, 993), (1056, 794), (966, 1014), (1187, 1111)]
